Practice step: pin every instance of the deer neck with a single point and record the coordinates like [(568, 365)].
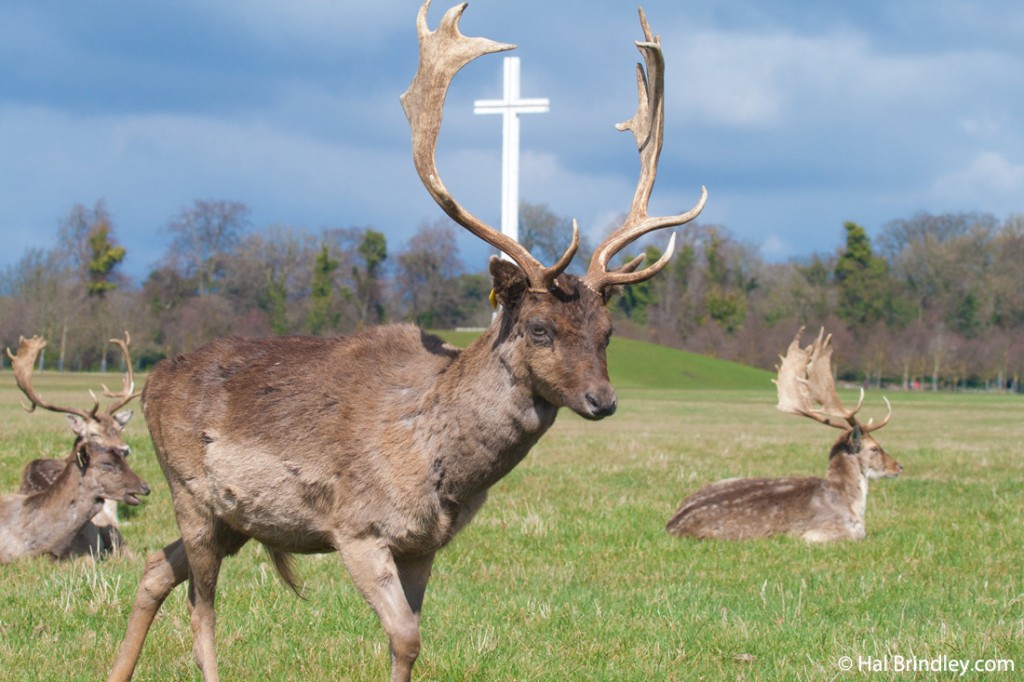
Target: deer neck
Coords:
[(846, 477), (57, 514), (487, 415)]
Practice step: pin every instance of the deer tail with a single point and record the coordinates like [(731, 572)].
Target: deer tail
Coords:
[(283, 564)]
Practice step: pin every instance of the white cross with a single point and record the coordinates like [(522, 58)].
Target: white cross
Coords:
[(510, 107)]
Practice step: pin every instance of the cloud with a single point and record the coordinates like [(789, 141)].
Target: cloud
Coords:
[(989, 177)]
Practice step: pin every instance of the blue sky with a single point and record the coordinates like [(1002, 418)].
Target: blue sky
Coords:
[(797, 116)]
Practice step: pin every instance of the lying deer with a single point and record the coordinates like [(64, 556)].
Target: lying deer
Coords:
[(53, 521), (100, 534), (815, 509), (381, 446)]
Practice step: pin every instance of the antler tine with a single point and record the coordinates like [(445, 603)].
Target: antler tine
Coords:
[(647, 125), (869, 427), (443, 52), (23, 363), (127, 392)]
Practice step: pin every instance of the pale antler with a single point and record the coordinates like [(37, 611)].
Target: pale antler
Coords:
[(805, 380), (127, 392), (647, 124), (23, 363), (443, 52)]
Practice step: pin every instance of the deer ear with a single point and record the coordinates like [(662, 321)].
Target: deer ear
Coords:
[(509, 282), (855, 439), (123, 417), (77, 424)]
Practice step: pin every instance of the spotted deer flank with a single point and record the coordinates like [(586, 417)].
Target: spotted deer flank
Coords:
[(814, 509)]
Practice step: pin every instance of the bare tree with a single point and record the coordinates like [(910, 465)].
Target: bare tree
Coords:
[(203, 236)]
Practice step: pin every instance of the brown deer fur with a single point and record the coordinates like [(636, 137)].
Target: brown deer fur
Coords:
[(103, 429), (47, 522), (381, 446), (100, 535), (813, 509)]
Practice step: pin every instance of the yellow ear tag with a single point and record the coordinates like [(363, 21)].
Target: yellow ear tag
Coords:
[(493, 298)]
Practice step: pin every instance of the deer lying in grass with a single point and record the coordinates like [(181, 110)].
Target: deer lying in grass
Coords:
[(54, 518), (101, 534), (815, 509), (381, 446)]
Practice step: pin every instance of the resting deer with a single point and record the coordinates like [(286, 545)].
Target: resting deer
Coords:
[(815, 509), (101, 534), (381, 446), (57, 515)]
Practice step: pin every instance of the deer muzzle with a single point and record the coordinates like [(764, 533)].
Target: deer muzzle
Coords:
[(599, 402)]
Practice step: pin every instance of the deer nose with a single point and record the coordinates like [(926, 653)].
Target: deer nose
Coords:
[(602, 403)]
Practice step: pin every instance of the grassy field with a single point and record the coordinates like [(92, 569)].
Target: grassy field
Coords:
[(567, 573)]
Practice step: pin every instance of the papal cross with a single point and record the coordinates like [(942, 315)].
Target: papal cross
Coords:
[(510, 106)]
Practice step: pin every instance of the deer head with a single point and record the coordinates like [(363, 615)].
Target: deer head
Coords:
[(100, 427), (558, 320), (806, 387), (108, 467)]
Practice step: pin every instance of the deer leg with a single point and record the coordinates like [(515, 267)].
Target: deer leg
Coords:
[(206, 550), (165, 570), (377, 577)]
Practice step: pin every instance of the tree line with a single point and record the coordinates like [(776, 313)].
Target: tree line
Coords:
[(936, 302)]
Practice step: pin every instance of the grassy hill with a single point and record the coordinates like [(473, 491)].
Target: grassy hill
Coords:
[(638, 364)]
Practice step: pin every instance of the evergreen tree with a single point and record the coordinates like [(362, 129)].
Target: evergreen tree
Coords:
[(277, 299), (321, 317), (104, 256), (862, 279), (374, 250)]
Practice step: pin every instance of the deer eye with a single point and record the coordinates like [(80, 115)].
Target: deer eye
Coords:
[(539, 332)]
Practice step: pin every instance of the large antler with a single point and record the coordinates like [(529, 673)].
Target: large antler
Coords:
[(805, 381), (443, 53), (23, 362), (127, 392), (648, 125)]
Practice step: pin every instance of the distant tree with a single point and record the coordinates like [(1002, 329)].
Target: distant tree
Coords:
[(634, 300), (939, 258), (862, 279), (427, 275), (546, 235), (270, 272), (203, 236), (105, 255), (88, 257), (321, 318), (277, 304), (369, 288), (727, 282)]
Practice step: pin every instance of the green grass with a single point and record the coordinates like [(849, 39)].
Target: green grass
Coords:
[(634, 364), (567, 574)]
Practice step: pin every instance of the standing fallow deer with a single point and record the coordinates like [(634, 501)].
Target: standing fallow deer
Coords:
[(814, 509), (382, 445), (60, 509)]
